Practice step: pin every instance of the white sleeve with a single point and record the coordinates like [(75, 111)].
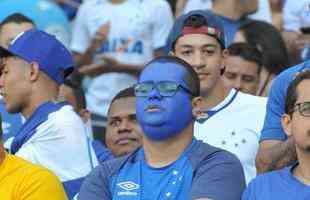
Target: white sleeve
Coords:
[(162, 24), (60, 144), (80, 35), (291, 15)]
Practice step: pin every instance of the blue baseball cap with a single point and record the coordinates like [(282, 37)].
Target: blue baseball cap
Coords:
[(213, 26), (53, 57)]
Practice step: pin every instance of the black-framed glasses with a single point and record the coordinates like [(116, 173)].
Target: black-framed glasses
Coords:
[(303, 108), (165, 88)]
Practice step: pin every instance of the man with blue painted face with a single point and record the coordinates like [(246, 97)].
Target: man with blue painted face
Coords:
[(171, 163)]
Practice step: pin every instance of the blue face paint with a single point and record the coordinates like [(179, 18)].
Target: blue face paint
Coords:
[(164, 117)]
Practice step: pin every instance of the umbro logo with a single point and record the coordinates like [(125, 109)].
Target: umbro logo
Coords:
[(128, 185)]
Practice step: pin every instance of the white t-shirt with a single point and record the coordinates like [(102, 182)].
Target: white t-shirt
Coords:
[(137, 28), (60, 144), (263, 13), (296, 14), (235, 126)]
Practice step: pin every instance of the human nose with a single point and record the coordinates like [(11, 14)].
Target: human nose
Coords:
[(198, 61), (154, 93), (124, 126), (238, 84)]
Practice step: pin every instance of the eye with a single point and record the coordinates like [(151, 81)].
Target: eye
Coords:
[(115, 123), (230, 75), (208, 52), (248, 78), (186, 53)]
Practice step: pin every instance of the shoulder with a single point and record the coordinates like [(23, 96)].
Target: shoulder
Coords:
[(31, 173), (264, 182), (207, 155), (289, 74), (97, 183), (251, 99), (65, 116), (109, 168)]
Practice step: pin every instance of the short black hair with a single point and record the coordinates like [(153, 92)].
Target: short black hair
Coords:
[(270, 42), (78, 93), (16, 18), (247, 52), (191, 79), (292, 94), (125, 93)]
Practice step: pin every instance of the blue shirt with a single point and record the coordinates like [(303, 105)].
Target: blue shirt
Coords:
[(11, 123), (46, 15), (201, 171), (272, 129), (279, 184), (231, 27)]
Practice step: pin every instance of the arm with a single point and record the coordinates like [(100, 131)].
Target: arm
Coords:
[(222, 172), (179, 7), (275, 154), (96, 186), (100, 37), (275, 149)]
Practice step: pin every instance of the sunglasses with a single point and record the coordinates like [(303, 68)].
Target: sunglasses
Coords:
[(165, 88), (303, 108)]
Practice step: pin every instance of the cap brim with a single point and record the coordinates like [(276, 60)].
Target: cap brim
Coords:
[(4, 52)]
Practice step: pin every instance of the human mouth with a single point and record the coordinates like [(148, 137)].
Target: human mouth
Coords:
[(153, 108), (125, 140), (203, 75)]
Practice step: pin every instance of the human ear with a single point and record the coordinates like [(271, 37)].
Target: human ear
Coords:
[(286, 121), (198, 106)]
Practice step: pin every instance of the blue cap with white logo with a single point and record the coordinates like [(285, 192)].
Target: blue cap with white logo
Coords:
[(53, 57)]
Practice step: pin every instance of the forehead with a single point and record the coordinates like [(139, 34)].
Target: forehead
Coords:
[(238, 64), (122, 107), (196, 40), (303, 91), (164, 72)]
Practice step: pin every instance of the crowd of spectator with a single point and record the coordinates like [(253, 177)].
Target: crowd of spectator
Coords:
[(155, 99)]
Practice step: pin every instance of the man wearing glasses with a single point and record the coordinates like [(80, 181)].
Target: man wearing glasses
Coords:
[(171, 164), (291, 182)]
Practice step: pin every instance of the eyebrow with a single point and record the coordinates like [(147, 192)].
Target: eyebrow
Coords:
[(203, 46)]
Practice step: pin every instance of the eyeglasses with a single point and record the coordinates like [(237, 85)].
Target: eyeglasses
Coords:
[(165, 88), (303, 108)]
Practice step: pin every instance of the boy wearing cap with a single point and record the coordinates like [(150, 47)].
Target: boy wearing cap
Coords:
[(171, 164), (23, 180), (228, 119), (33, 68)]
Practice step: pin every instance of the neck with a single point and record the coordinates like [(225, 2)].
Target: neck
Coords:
[(35, 100), (302, 171), (161, 154), (215, 96), (2, 152), (229, 9), (117, 1)]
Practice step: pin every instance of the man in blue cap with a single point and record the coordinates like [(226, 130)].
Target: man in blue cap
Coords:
[(199, 38), (171, 164), (33, 68)]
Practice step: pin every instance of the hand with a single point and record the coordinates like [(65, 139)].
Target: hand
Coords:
[(101, 35), (96, 69), (302, 41)]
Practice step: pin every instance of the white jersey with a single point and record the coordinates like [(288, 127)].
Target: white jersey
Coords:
[(137, 28), (263, 13), (296, 14), (235, 125), (60, 144)]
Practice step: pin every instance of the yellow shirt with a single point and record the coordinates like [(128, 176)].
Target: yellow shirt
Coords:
[(21, 180)]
